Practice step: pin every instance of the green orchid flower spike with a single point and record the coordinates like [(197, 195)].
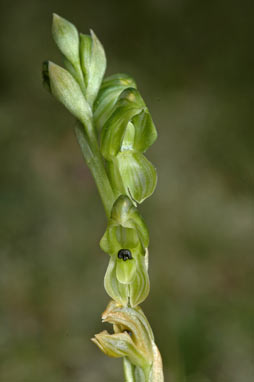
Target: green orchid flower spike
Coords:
[(114, 129)]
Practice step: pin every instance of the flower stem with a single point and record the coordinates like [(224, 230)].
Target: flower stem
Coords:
[(93, 158), (128, 370)]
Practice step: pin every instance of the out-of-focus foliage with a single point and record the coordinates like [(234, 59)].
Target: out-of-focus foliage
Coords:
[(193, 62)]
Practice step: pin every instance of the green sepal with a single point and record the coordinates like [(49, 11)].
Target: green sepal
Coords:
[(66, 38), (66, 90), (110, 90), (115, 178), (140, 287), (133, 175), (128, 105), (108, 242), (145, 131), (93, 64)]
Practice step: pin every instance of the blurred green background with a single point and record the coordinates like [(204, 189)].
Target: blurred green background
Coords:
[(193, 63)]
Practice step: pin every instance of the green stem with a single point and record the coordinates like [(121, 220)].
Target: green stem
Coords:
[(134, 373), (93, 158), (128, 370)]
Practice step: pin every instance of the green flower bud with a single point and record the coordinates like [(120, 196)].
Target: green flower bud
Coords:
[(110, 90), (93, 63), (66, 90), (66, 38)]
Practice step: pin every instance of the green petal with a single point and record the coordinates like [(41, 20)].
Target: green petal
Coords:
[(93, 63), (66, 90)]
